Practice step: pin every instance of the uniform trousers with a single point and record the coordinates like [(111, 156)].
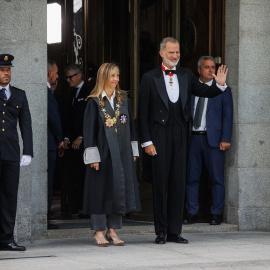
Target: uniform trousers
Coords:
[(9, 182), (169, 175), (101, 222), (201, 152), (51, 170)]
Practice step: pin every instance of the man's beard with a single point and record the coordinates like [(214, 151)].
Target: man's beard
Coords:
[(170, 63)]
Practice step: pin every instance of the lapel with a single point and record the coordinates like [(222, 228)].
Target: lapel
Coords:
[(12, 94), (210, 100), (192, 105), (161, 87), (183, 85), (81, 94)]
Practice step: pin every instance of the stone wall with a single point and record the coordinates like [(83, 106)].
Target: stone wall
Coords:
[(23, 31), (248, 160)]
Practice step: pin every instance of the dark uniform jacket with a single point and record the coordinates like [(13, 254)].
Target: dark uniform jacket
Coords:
[(12, 111)]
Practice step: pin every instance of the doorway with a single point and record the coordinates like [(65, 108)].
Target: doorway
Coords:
[(128, 33)]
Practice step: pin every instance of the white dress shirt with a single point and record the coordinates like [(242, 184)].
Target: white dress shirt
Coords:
[(110, 100), (172, 90)]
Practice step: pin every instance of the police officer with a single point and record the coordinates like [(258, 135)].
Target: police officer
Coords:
[(13, 108)]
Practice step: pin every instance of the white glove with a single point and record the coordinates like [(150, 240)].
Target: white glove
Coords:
[(25, 160)]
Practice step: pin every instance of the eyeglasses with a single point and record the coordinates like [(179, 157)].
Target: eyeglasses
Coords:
[(70, 77)]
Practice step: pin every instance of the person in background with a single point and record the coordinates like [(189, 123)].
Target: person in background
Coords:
[(14, 108), (73, 137), (111, 189), (55, 135), (211, 136)]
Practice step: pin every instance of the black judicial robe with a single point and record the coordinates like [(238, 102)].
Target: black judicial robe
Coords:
[(113, 189)]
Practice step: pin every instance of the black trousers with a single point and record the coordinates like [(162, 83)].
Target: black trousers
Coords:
[(9, 182), (169, 176)]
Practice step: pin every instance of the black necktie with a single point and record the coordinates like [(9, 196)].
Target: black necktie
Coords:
[(74, 95), (167, 71), (198, 113), (4, 93)]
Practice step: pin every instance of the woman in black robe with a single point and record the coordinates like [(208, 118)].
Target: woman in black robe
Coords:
[(111, 148)]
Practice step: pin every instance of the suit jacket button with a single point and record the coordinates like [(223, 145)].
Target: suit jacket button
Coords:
[(4, 113), (17, 107), (3, 129), (160, 111), (5, 104), (163, 120), (3, 121)]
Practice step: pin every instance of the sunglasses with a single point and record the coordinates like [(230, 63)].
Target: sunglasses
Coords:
[(70, 77)]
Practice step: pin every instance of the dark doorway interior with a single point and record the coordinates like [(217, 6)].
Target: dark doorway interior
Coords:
[(108, 29)]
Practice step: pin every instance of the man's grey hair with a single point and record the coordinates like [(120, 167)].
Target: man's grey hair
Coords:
[(74, 68), (167, 39), (50, 65), (206, 57)]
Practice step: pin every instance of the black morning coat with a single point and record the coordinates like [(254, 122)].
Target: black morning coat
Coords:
[(154, 100), (113, 189), (12, 111)]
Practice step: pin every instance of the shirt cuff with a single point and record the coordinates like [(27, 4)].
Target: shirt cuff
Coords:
[(91, 155), (222, 87), (135, 148), (146, 144)]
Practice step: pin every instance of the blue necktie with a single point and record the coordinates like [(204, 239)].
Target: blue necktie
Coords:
[(4, 93)]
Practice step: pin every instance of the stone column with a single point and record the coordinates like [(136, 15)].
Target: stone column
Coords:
[(248, 160), (23, 31)]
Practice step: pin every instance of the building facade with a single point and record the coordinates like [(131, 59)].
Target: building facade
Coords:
[(242, 40)]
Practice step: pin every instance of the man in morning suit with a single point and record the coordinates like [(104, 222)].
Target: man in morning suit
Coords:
[(74, 136), (55, 136), (163, 114), (211, 136), (13, 109)]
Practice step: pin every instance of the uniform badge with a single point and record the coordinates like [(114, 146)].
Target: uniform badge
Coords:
[(123, 118), (6, 58)]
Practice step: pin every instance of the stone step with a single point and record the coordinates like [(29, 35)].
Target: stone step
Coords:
[(81, 229)]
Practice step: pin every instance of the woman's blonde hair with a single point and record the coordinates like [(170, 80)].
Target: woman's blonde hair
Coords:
[(104, 73)]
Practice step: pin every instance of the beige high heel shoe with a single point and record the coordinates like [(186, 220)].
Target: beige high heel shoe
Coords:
[(101, 242), (115, 239)]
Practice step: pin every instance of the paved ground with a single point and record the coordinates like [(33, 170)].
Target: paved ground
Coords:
[(214, 250)]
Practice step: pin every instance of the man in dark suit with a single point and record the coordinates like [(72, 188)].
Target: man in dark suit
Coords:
[(74, 137), (55, 136), (13, 108), (211, 136), (163, 113)]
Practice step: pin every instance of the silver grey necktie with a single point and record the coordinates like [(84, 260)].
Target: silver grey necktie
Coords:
[(198, 113)]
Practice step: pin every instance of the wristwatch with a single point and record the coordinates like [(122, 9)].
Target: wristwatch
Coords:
[(80, 138)]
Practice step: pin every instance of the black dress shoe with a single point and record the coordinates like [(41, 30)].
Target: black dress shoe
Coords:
[(215, 220), (176, 238), (51, 226), (191, 219), (160, 239), (12, 247)]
